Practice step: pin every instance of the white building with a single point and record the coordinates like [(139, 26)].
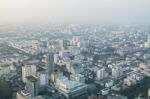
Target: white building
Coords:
[(147, 44), (101, 73), (105, 91), (56, 58), (70, 88), (43, 78), (117, 72), (78, 77), (28, 70), (109, 83)]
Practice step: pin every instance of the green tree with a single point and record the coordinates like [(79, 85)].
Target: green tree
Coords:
[(5, 90)]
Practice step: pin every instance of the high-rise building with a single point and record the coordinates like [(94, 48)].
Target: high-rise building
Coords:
[(56, 58), (147, 44), (117, 72), (101, 73), (28, 70), (148, 39), (50, 63), (42, 81), (63, 44), (75, 39), (32, 86)]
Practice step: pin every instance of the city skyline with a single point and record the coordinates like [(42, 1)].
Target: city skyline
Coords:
[(74, 49)]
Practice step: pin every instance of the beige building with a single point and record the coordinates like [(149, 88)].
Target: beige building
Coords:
[(28, 70), (23, 95)]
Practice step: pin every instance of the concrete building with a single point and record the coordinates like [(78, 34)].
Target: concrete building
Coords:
[(32, 86), (100, 73), (148, 93), (43, 78), (147, 44), (105, 91), (50, 63), (23, 95), (70, 88), (42, 81), (56, 58), (117, 72), (28, 70), (78, 77), (63, 44)]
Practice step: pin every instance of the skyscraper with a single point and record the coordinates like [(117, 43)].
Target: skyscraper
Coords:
[(32, 86), (50, 63)]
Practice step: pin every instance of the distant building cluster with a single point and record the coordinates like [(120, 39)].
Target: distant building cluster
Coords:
[(75, 61)]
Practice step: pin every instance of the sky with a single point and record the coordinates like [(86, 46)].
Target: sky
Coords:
[(76, 11)]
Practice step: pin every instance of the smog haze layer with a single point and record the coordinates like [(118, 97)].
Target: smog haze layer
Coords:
[(76, 11)]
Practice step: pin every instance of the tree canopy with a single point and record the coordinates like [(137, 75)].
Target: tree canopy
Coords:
[(5, 90)]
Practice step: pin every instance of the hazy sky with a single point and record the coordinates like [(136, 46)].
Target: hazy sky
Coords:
[(76, 11)]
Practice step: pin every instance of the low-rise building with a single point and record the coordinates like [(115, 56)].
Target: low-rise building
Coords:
[(23, 95), (70, 88)]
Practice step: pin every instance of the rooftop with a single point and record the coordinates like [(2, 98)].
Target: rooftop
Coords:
[(69, 84), (32, 78)]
